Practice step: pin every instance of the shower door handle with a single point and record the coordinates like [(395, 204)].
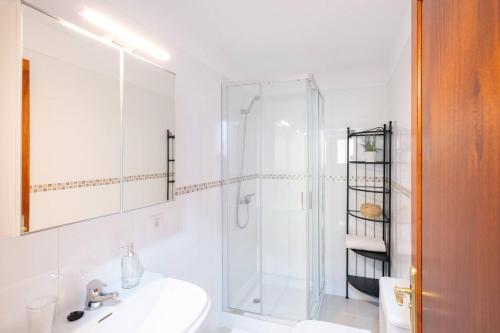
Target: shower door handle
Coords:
[(309, 200)]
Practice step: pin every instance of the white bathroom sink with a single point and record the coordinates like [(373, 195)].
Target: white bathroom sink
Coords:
[(158, 304)]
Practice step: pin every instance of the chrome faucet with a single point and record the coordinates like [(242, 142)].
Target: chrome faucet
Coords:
[(96, 296), (247, 199)]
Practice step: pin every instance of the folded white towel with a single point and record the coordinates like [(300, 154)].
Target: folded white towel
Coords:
[(364, 243)]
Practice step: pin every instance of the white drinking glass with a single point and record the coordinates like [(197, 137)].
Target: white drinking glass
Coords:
[(41, 313)]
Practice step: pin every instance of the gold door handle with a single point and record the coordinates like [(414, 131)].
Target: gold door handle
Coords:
[(401, 293)]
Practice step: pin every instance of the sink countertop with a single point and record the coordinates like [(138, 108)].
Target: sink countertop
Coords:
[(157, 304)]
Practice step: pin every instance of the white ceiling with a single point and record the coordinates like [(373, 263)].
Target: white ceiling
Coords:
[(266, 38), (280, 37)]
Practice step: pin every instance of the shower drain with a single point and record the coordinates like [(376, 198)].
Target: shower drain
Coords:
[(256, 301)]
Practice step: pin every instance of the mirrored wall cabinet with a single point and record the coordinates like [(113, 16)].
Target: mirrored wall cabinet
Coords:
[(87, 132)]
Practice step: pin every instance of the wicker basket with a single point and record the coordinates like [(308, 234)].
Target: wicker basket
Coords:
[(371, 211)]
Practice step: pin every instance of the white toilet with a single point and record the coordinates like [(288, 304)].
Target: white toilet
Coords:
[(393, 318), (316, 326)]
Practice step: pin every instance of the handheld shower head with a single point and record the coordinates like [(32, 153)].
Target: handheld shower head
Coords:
[(248, 198), (247, 110)]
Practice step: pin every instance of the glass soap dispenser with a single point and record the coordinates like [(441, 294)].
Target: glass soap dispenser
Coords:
[(131, 268)]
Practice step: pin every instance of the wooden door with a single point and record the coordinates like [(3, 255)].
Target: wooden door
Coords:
[(456, 165)]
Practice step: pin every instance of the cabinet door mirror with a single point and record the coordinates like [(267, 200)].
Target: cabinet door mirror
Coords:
[(95, 122), (71, 124), (148, 115)]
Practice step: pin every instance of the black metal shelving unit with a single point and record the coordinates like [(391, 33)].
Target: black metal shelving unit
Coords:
[(368, 182), (170, 165)]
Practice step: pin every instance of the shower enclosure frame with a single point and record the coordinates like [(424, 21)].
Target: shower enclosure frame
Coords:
[(315, 148)]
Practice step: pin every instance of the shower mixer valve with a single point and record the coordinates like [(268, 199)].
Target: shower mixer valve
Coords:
[(247, 199)]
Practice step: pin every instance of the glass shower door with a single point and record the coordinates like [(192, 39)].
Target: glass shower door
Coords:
[(272, 198), (284, 204), (316, 216), (241, 197)]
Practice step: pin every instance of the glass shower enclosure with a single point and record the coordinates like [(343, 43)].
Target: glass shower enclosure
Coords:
[(273, 198)]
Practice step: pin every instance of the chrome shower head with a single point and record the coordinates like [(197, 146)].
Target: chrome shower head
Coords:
[(247, 110)]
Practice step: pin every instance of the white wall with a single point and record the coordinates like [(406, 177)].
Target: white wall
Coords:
[(399, 107), (359, 107), (185, 245), (362, 98)]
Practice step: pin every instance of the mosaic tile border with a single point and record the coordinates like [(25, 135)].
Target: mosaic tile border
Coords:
[(181, 190), (327, 178), (73, 184), (283, 176), (136, 178), (239, 179), (93, 182), (354, 178)]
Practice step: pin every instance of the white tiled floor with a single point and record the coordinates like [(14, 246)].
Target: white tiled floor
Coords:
[(335, 309), (350, 312)]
